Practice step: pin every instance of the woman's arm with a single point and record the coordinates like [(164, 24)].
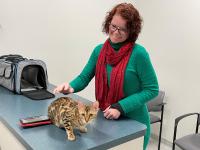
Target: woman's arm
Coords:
[(149, 84)]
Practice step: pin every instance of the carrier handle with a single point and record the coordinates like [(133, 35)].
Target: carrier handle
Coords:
[(10, 55), (12, 58)]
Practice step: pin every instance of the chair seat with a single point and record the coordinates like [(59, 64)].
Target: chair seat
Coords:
[(189, 142), (154, 119)]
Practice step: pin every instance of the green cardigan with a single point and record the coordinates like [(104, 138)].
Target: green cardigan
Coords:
[(140, 83)]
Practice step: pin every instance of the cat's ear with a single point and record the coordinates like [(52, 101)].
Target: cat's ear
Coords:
[(80, 105), (96, 105)]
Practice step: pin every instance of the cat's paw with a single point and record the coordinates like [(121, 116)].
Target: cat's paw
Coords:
[(83, 129), (58, 125), (71, 137)]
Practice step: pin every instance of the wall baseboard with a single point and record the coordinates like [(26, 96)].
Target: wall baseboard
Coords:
[(163, 140)]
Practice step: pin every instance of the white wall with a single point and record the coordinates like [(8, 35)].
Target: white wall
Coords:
[(64, 32), (171, 33)]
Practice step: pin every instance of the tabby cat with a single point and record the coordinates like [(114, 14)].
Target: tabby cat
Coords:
[(68, 113)]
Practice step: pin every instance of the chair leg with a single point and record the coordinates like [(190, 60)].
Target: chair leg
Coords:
[(174, 137), (159, 140), (161, 121), (173, 146)]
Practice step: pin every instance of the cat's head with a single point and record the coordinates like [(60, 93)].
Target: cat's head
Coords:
[(88, 112)]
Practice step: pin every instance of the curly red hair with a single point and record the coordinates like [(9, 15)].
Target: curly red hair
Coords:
[(130, 14)]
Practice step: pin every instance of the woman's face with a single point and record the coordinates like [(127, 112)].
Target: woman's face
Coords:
[(117, 29)]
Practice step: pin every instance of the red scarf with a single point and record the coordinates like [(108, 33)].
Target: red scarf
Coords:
[(118, 60)]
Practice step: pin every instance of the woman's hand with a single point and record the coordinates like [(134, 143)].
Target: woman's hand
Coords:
[(64, 88), (111, 113)]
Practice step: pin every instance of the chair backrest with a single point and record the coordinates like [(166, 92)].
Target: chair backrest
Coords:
[(156, 103)]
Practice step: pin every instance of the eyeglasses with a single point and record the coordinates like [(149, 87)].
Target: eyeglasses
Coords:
[(113, 28)]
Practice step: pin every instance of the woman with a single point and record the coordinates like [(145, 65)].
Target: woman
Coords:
[(124, 76)]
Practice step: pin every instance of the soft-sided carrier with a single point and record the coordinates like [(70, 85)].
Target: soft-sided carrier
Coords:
[(24, 76)]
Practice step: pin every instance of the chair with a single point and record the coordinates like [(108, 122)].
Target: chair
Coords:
[(188, 142), (157, 105)]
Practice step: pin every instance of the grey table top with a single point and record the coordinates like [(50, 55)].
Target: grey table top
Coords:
[(102, 133)]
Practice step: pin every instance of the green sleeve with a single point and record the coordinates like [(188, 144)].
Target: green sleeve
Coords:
[(149, 84), (88, 72)]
